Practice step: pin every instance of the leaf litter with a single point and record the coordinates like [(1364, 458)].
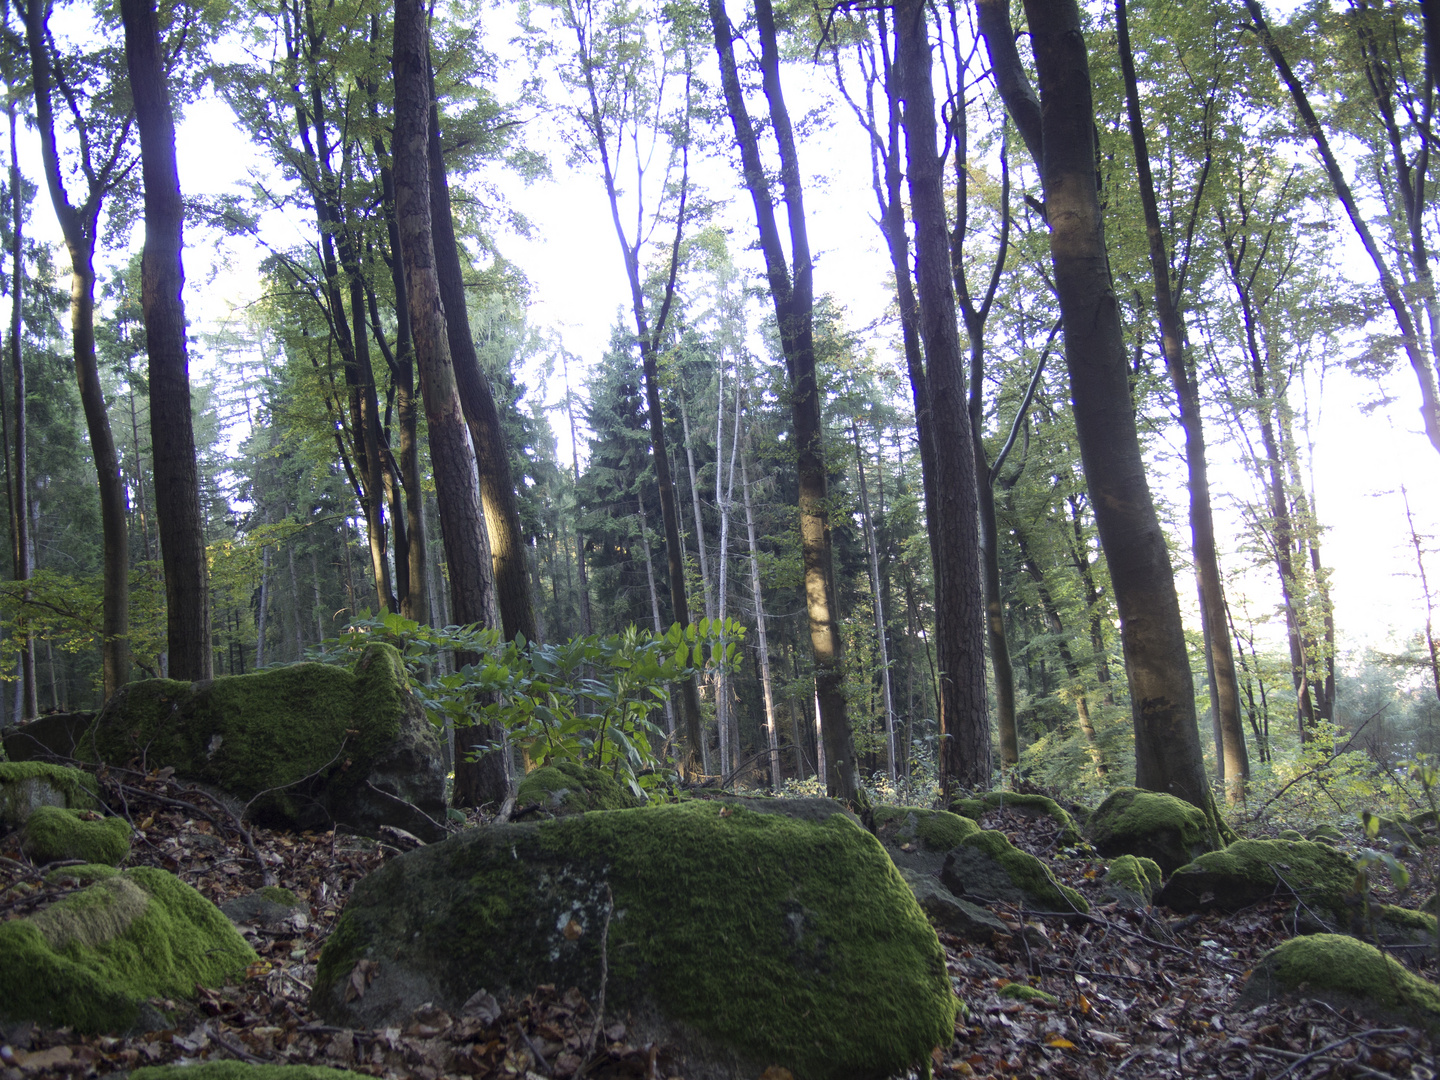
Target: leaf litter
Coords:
[(1136, 993)]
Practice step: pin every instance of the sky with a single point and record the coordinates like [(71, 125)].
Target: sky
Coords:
[(574, 267)]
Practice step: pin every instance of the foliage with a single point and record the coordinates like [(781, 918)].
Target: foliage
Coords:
[(588, 700)]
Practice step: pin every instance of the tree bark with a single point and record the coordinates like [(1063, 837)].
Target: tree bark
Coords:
[(177, 482), (762, 639), (1167, 741), (462, 526)]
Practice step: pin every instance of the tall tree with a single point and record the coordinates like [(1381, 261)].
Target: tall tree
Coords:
[(177, 482)]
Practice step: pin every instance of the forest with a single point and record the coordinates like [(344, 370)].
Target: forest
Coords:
[(1051, 517)]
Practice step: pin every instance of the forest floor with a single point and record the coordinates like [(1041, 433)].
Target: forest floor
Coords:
[(1139, 994)]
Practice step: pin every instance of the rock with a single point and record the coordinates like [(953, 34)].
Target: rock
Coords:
[(987, 867), (1017, 991), (271, 907), (1345, 973), (1132, 880), (1325, 834), (568, 787), (918, 839), (1290, 834), (76, 876), (1030, 806), (744, 939), (1249, 871), (25, 785), (53, 833), (1160, 827), (92, 959), (947, 911), (239, 1070), (312, 745), (54, 736)]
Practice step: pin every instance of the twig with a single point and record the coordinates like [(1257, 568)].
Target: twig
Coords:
[(604, 976), (1187, 953), (1311, 772), (539, 1057), (242, 1054), (1307, 1058), (412, 806)]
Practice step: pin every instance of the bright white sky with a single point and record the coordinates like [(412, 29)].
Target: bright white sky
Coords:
[(577, 280)]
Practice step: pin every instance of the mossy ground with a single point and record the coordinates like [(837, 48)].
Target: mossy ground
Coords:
[(936, 830), (53, 833), (90, 960), (571, 788), (1027, 872), (795, 942), (254, 733), (238, 1070), (1019, 991)]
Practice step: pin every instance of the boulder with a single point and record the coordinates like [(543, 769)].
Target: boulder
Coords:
[(239, 1070), (918, 839), (306, 746), (740, 937), (271, 907), (1249, 871), (1132, 880), (92, 959), (1326, 834), (1030, 806), (54, 736), (25, 785), (1170, 831), (986, 867), (950, 913), (567, 787), (54, 833), (1347, 974)]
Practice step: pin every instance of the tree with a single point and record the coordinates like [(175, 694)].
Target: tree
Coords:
[(177, 484)]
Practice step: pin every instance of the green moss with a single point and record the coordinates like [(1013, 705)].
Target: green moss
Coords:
[(973, 809), (1342, 965), (1325, 834), (1134, 874), (22, 784), (238, 1070), (1022, 992), (936, 830), (84, 875), (1252, 870), (568, 787), (91, 959), (53, 833), (1069, 834), (771, 935), (1405, 917), (1027, 872), (1290, 834), (1161, 827), (278, 895)]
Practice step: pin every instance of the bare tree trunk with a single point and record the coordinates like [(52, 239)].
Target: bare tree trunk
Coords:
[(260, 617), (462, 526), (873, 547), (762, 641), (654, 603), (705, 585), (177, 482), (586, 627)]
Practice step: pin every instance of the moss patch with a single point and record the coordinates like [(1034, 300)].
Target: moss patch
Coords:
[(935, 830), (1325, 834), (81, 875), (238, 1070), (1023, 992), (1161, 827), (25, 785), (1133, 875), (973, 809), (1027, 873), (91, 959), (568, 787), (53, 833), (1035, 806), (1332, 965), (278, 895), (790, 942), (1249, 871)]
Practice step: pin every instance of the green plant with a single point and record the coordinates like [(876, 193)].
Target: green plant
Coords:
[(590, 699)]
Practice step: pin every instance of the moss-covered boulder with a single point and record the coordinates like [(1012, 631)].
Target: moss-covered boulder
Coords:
[(54, 833), (1132, 880), (239, 1070), (1249, 871), (950, 913), (26, 785), (1030, 806), (271, 907), (1346, 973), (92, 959), (1325, 834), (84, 874), (568, 787), (47, 738), (918, 839), (1160, 827), (986, 866), (743, 937), (311, 744)]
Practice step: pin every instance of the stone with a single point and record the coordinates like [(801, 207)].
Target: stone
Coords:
[(54, 736), (950, 913), (1018, 991), (918, 839), (1170, 831), (1325, 834), (54, 833), (986, 867), (25, 785), (743, 938), (1030, 806), (271, 907), (567, 787), (306, 746), (1131, 880), (92, 959), (1249, 871), (1345, 973)]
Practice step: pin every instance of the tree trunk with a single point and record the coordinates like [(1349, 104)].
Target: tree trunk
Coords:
[(1167, 741), (873, 549), (965, 756), (177, 482), (762, 641), (699, 521), (794, 310), (462, 526), (1234, 761)]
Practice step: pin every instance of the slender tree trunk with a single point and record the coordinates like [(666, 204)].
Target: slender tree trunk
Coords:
[(886, 696), (654, 603), (1167, 741), (794, 310), (965, 756), (260, 616), (762, 641), (462, 526), (705, 585), (586, 626)]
